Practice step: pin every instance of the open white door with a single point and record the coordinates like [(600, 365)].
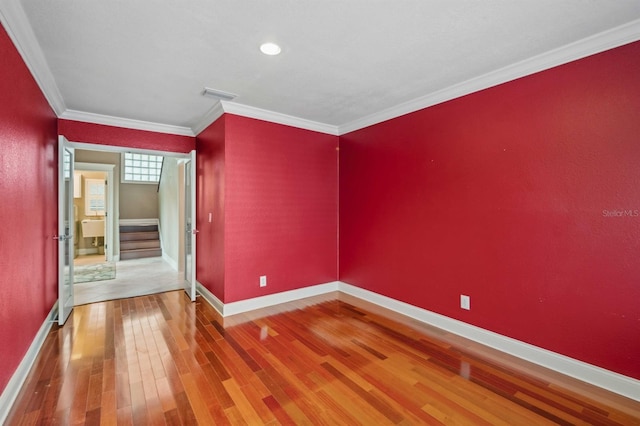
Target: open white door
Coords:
[(190, 226), (66, 226)]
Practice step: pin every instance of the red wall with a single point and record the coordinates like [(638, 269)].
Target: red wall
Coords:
[(77, 131), (501, 195), (28, 176), (281, 195), (210, 199)]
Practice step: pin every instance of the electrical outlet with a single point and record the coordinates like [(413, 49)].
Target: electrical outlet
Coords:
[(465, 302), (263, 281)]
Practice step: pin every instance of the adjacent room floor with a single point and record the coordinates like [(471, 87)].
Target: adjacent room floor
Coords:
[(135, 277), (332, 359)]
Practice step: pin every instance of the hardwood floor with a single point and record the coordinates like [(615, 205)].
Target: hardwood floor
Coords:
[(333, 359)]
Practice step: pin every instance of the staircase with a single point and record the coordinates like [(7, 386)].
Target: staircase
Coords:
[(138, 241)]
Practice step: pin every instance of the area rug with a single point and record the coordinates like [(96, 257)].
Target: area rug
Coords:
[(97, 272)]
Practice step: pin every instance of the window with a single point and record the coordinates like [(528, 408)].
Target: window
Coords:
[(141, 168), (66, 164)]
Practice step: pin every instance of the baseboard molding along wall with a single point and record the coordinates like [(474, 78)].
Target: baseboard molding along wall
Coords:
[(170, 261), (234, 308), (210, 297), (580, 370), (597, 376), (87, 251), (10, 393)]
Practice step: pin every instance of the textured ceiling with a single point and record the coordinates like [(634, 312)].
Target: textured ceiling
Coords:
[(341, 60)]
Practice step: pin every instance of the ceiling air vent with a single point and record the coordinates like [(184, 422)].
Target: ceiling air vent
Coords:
[(218, 94)]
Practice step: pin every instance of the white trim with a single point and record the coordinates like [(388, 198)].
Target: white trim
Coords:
[(86, 251), (140, 222), (18, 27), (247, 305), (597, 43), (210, 297), (580, 370), (108, 169), (234, 308), (100, 167), (278, 118), (210, 116), (15, 22), (120, 149), (127, 123), (168, 259), (10, 392)]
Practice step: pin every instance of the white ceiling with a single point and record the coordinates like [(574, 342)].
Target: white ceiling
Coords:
[(344, 64)]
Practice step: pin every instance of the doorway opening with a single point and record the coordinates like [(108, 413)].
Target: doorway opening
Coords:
[(129, 235)]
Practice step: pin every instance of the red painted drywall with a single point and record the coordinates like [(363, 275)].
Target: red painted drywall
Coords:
[(77, 131), (281, 195), (510, 195), (210, 175), (28, 253)]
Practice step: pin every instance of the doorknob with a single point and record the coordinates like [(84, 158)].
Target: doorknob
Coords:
[(61, 237), (194, 231)]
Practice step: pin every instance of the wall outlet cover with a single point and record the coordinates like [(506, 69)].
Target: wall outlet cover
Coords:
[(465, 302)]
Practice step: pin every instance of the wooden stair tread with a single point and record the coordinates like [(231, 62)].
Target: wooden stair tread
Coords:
[(140, 253), (133, 236), (139, 244), (139, 241)]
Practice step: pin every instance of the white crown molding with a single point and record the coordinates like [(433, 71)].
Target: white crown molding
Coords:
[(10, 392), (18, 27), (108, 120), (588, 46), (15, 22), (210, 116), (276, 117)]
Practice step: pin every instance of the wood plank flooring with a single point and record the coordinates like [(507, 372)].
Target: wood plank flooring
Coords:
[(331, 360)]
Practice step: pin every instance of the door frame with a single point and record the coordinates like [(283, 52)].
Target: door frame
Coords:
[(108, 169), (120, 149), (190, 176), (65, 235)]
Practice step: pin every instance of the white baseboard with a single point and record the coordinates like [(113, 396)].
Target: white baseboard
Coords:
[(170, 261), (10, 393), (86, 251), (580, 370), (210, 297), (234, 308), (241, 306)]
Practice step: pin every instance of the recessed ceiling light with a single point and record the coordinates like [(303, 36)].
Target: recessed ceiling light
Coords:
[(270, 49)]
